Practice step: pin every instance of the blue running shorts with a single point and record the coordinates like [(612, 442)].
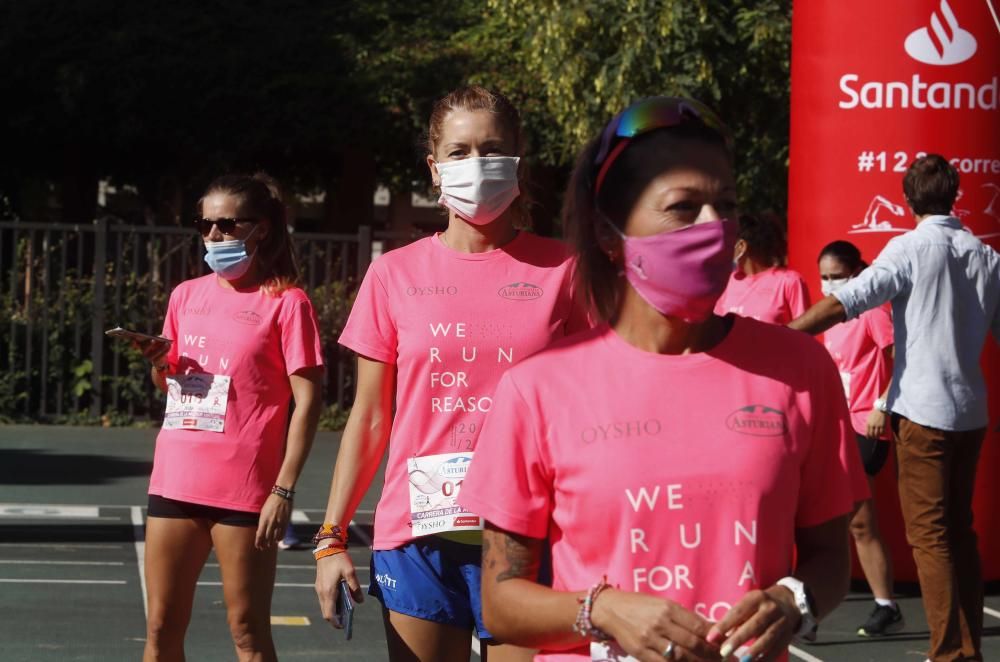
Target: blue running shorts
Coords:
[(431, 578)]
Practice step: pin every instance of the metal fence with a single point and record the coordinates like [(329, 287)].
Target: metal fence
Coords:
[(63, 285)]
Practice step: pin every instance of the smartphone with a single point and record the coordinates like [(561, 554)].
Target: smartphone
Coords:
[(135, 336), (345, 608)]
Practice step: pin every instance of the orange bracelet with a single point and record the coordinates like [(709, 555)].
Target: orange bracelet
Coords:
[(330, 550)]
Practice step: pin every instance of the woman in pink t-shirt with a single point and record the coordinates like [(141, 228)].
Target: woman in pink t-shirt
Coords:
[(245, 344), (435, 325), (862, 349), (760, 287), (691, 474)]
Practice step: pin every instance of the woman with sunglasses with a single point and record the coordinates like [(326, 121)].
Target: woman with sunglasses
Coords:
[(760, 286), (674, 458), (862, 348), (245, 344), (435, 325)]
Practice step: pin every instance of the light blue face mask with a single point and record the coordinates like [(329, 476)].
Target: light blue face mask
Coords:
[(229, 259)]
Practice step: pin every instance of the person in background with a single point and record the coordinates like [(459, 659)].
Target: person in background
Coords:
[(944, 287), (245, 345), (435, 325), (862, 350), (760, 287), (674, 461)]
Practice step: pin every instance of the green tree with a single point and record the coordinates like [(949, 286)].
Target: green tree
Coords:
[(572, 65)]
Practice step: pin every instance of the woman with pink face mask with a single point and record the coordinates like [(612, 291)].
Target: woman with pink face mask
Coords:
[(435, 325), (671, 460)]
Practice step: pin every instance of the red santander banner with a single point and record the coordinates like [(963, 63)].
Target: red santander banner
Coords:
[(874, 86)]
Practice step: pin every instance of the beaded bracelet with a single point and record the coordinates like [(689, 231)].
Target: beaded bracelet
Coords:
[(330, 532), (284, 493), (583, 625)]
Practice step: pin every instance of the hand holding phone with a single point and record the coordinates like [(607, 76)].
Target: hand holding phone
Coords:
[(345, 608), (136, 337)]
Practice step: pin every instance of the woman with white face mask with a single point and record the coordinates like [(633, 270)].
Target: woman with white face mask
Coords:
[(435, 325), (862, 348), (245, 345), (672, 460)]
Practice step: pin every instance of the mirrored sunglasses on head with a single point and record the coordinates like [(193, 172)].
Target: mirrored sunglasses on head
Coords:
[(650, 114)]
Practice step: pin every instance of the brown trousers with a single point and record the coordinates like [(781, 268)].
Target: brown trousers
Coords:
[(937, 475)]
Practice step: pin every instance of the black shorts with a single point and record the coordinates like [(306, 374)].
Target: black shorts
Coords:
[(163, 507), (874, 453)]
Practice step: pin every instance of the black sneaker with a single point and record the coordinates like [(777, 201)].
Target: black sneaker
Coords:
[(883, 620)]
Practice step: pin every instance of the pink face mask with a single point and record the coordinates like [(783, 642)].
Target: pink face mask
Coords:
[(681, 273)]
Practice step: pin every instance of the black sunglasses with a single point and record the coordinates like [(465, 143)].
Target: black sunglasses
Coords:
[(226, 225)]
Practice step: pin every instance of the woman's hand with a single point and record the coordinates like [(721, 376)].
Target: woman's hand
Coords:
[(876, 424), (274, 517), (769, 617), (645, 626), (154, 352), (329, 571)]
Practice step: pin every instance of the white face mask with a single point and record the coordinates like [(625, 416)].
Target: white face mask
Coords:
[(828, 287), (479, 189)]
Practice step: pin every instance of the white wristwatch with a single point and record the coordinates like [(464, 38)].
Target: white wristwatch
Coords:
[(881, 405), (806, 606)]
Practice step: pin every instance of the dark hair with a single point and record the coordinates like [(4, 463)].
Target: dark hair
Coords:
[(844, 252), (260, 197), (764, 237), (930, 185), (596, 275), (475, 98)]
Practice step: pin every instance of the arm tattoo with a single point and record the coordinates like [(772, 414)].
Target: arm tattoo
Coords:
[(519, 558)]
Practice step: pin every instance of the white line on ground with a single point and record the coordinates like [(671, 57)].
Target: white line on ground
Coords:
[(63, 581), (290, 566), (299, 516), (360, 533), (992, 612), (32, 562), (64, 546), (139, 533), (802, 655), (278, 585), (44, 510), (475, 645)]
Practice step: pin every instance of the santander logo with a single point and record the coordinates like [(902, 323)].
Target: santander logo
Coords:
[(944, 42)]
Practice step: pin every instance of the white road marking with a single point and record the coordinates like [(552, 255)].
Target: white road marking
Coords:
[(65, 546), (475, 645), (139, 533), (277, 585), (300, 517), (25, 510), (992, 612), (63, 581), (802, 655), (32, 562)]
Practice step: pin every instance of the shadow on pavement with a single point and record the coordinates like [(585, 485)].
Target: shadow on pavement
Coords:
[(40, 467)]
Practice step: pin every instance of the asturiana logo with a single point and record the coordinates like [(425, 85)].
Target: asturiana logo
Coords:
[(248, 317), (456, 467), (943, 42), (520, 292), (757, 420)]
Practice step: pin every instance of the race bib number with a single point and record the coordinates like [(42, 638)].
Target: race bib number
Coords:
[(196, 402), (435, 481), (845, 379)]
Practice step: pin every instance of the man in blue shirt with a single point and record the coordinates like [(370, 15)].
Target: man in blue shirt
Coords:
[(944, 287)]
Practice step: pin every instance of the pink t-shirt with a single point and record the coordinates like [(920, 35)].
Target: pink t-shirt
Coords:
[(678, 476), (858, 348), (775, 296), (258, 340), (453, 323)]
